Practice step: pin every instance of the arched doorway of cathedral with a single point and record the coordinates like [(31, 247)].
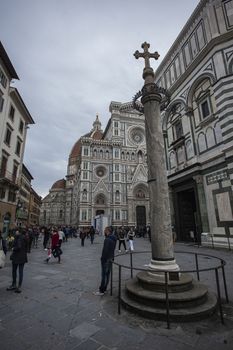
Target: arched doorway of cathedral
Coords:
[(141, 216), (100, 211), (141, 200)]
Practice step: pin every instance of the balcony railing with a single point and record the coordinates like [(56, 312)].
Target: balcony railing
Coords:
[(6, 176)]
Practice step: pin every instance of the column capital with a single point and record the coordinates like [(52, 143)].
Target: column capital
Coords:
[(151, 92)]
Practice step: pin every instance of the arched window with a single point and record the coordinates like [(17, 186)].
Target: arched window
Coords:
[(95, 153), (218, 133), (140, 156), (122, 155), (202, 142), (84, 196), (172, 160), (133, 156), (210, 137), (203, 101), (117, 195), (107, 154), (189, 149)]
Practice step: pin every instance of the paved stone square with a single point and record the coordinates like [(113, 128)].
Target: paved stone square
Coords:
[(57, 308)]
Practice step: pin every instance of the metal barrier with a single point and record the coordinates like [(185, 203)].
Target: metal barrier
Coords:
[(219, 266)]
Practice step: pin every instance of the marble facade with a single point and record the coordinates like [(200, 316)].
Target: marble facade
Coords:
[(198, 123)]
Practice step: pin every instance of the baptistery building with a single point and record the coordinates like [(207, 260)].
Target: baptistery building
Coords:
[(198, 124)]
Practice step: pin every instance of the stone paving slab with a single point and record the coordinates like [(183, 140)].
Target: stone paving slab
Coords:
[(84, 330), (57, 308)]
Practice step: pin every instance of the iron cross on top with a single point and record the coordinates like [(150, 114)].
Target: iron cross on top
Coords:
[(146, 54)]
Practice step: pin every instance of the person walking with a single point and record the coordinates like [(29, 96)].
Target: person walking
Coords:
[(18, 258), (92, 234), (61, 236), (82, 235), (148, 230), (131, 235), (121, 238), (106, 260), (55, 245), (36, 234), (46, 234)]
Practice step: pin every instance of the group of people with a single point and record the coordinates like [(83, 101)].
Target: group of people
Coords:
[(20, 242), (86, 232), (125, 234)]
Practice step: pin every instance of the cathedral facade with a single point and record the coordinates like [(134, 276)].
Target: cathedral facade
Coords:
[(106, 182)]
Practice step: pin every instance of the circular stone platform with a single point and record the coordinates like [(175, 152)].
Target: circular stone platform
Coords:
[(189, 300)]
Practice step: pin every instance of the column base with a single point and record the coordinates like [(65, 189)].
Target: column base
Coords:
[(157, 266)]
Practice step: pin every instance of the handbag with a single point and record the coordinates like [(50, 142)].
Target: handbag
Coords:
[(2, 258), (54, 252)]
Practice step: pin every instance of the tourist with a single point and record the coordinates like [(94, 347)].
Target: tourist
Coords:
[(36, 234), (148, 230), (46, 234), (82, 236), (131, 235), (61, 236), (56, 250), (106, 260), (92, 234), (18, 258), (121, 238), (67, 233)]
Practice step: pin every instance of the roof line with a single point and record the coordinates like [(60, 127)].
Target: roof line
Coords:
[(7, 62), (197, 9)]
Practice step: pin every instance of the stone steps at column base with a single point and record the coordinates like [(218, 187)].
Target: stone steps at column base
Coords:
[(196, 295), (194, 313), (150, 282)]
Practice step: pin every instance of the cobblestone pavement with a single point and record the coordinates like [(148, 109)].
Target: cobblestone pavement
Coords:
[(57, 308)]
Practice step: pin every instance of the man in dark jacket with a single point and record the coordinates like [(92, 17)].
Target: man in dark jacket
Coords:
[(106, 259), (19, 258)]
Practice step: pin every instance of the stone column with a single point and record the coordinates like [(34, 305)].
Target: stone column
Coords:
[(161, 231)]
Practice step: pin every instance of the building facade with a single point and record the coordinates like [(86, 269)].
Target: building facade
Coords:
[(23, 198), (34, 208), (198, 123), (106, 180), (14, 121)]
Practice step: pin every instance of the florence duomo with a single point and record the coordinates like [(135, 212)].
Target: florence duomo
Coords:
[(106, 180)]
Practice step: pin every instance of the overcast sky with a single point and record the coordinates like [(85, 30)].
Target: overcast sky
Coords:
[(73, 58)]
